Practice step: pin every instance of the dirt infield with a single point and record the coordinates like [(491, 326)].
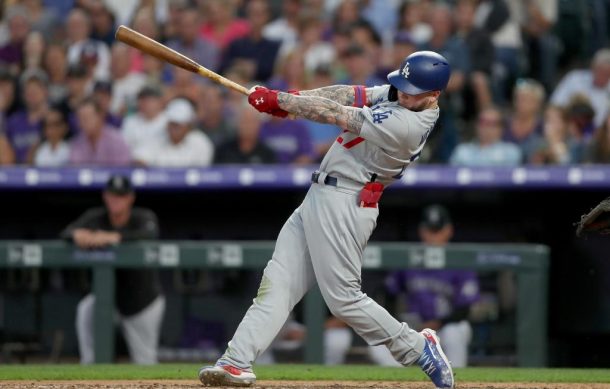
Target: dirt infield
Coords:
[(168, 384)]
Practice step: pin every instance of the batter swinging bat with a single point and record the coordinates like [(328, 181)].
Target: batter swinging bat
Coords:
[(164, 53)]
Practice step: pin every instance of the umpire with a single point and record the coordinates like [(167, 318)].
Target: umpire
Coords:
[(138, 299)]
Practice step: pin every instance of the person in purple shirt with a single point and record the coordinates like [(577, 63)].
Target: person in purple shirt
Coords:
[(289, 139), (98, 144), (24, 128), (437, 299)]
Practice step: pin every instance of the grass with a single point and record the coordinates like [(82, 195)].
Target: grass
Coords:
[(297, 372)]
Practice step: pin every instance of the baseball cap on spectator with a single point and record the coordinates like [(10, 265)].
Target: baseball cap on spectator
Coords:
[(119, 185), (435, 217), (180, 111), (149, 91), (102, 86)]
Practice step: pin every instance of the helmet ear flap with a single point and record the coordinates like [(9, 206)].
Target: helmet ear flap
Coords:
[(393, 93)]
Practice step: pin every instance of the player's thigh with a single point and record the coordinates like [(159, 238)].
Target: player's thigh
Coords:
[(337, 231), (290, 266)]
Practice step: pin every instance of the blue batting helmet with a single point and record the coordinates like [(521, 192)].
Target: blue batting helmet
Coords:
[(421, 72)]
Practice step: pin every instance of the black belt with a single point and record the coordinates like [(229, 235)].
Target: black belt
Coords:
[(328, 180)]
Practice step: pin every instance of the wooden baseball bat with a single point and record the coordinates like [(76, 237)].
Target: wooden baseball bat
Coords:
[(164, 53)]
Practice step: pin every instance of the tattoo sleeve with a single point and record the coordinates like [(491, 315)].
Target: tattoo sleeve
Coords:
[(322, 110), (342, 94)]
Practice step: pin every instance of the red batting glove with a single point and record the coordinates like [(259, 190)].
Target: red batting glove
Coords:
[(264, 100), (268, 95)]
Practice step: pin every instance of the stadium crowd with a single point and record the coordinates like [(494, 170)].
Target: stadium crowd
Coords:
[(525, 89)]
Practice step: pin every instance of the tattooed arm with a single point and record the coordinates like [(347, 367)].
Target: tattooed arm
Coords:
[(322, 110), (342, 94)]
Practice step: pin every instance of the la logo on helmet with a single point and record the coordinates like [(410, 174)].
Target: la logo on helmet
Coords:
[(405, 70)]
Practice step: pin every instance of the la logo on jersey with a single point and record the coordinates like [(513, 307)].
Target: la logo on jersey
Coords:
[(405, 70)]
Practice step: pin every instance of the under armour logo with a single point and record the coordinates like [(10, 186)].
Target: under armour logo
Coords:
[(259, 101), (405, 70)]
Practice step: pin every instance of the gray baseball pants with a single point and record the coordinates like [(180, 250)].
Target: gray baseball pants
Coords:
[(322, 241)]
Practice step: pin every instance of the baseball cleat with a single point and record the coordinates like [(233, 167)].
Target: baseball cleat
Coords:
[(226, 375), (434, 362)]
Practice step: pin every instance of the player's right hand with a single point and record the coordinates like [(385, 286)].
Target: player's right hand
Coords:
[(265, 100)]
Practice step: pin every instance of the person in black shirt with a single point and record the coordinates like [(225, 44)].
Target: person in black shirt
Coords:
[(138, 297), (246, 147)]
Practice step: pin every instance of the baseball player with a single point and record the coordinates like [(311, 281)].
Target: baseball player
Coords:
[(385, 129)]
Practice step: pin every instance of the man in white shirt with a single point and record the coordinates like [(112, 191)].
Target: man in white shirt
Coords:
[(184, 145), (487, 149), (594, 83), (146, 127)]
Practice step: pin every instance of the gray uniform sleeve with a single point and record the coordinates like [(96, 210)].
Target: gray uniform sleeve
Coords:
[(379, 94), (386, 127)]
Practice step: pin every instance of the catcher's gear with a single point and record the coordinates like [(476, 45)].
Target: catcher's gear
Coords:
[(597, 220)]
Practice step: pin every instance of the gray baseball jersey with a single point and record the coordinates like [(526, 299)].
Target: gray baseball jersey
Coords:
[(391, 138), (324, 239)]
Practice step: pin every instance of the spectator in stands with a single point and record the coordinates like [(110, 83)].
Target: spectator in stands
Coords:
[(78, 30), (289, 139), (56, 66), (147, 126), (33, 51), (258, 52), (498, 19), (290, 73), (599, 148), (436, 299), (284, 28), (54, 151), (364, 35), (98, 144), (481, 53), (144, 23), (412, 21), (188, 41), (138, 300), (7, 155), (11, 54), (245, 148), (215, 115), (347, 14), (322, 135), (24, 128), (443, 139), (580, 127), (125, 84), (103, 26), (360, 67), (316, 51), (487, 149), (538, 18), (554, 149), (42, 18), (222, 26), (184, 145), (593, 82), (9, 103), (79, 88), (184, 84), (524, 126), (102, 94), (169, 30)]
